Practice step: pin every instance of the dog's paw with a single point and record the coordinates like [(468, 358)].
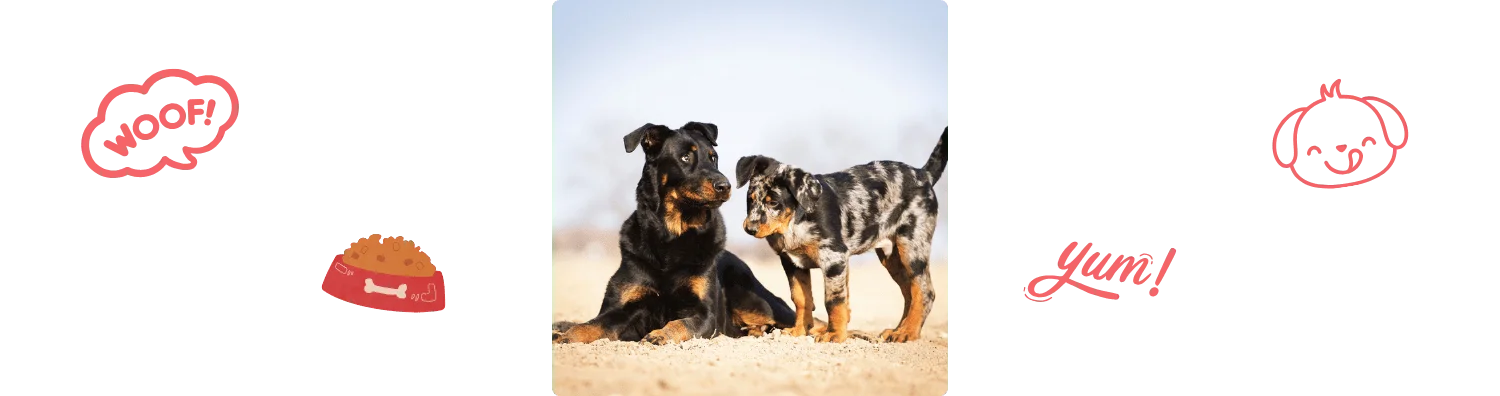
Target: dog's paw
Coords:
[(674, 331), (584, 333), (899, 335), (562, 338), (833, 337), (658, 337), (818, 329), (559, 328)]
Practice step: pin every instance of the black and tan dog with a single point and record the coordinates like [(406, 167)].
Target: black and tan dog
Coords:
[(675, 280), (820, 220)]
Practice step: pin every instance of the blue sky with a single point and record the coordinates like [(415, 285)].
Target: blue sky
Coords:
[(822, 85)]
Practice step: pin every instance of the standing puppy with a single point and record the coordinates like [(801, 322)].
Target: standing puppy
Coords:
[(675, 281), (820, 220)]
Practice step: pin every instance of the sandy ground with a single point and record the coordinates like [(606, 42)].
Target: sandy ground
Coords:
[(772, 365)]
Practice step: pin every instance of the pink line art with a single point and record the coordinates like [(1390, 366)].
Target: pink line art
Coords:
[(191, 113), (1101, 266), (1353, 155)]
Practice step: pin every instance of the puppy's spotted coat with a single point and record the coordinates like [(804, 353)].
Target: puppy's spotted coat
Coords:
[(820, 220)]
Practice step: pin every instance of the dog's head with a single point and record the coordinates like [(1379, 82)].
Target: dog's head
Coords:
[(1340, 140), (777, 194), (681, 179)]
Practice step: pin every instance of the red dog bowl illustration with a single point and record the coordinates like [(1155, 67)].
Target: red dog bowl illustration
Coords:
[(392, 274)]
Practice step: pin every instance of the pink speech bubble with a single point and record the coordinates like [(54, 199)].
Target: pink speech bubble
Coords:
[(143, 89)]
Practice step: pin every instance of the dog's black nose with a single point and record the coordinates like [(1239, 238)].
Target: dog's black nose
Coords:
[(721, 187)]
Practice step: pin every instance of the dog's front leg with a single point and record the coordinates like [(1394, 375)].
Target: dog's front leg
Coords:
[(607, 326), (698, 318), (684, 329), (836, 296), (800, 280), (619, 314)]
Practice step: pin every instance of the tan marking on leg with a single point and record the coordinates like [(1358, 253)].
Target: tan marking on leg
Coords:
[(819, 327), (801, 283), (753, 320), (899, 266), (584, 333), (838, 324), (674, 331)]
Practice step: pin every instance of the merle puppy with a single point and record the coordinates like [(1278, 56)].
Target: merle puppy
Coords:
[(675, 281), (818, 221)]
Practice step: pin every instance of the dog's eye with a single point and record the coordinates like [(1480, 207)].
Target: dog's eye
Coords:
[(713, 158), (687, 158), (1310, 150), (1367, 140)]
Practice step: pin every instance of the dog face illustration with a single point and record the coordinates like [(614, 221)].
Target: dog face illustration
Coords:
[(1340, 165)]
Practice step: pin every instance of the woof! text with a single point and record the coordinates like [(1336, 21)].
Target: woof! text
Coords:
[(129, 132)]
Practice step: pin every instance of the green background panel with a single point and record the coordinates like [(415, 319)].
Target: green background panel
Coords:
[(1142, 122), (426, 119)]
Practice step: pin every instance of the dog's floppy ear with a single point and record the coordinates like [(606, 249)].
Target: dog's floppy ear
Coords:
[(807, 188), (708, 130), (647, 136), (1395, 123), (751, 166), (1284, 142)]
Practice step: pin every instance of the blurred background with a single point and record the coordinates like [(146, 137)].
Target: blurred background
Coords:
[(819, 85)]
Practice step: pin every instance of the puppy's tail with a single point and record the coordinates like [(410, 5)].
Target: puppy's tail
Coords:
[(939, 158)]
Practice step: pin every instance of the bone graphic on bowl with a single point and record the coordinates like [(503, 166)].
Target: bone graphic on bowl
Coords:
[(398, 291), (340, 268), (429, 296)]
